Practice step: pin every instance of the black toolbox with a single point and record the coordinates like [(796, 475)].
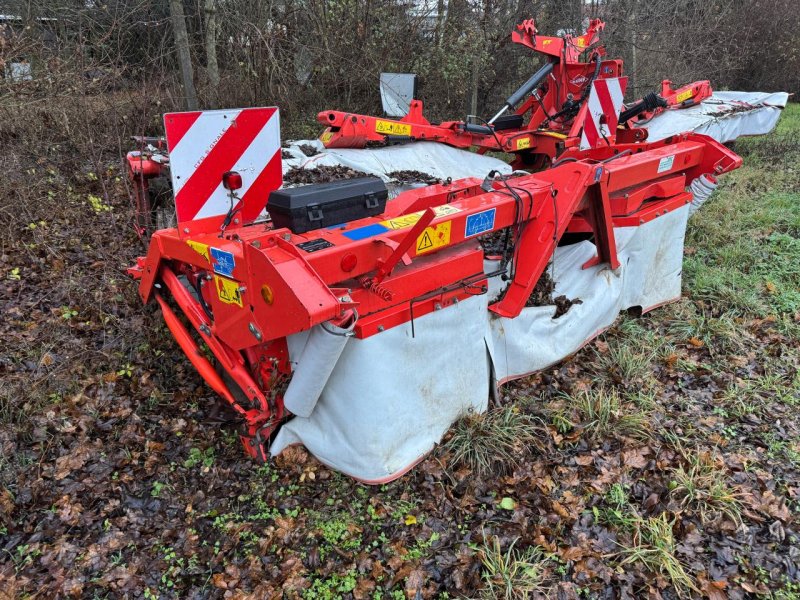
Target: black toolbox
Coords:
[(319, 205)]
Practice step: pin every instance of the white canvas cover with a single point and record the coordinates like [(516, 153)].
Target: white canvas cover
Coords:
[(392, 396), (649, 275), (725, 116), (437, 160)]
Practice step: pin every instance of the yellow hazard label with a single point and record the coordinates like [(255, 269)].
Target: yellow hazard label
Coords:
[(326, 137), (228, 290), (523, 143), (412, 218), (392, 128), (201, 249), (401, 222), (434, 237), (684, 96), (545, 42), (580, 42)]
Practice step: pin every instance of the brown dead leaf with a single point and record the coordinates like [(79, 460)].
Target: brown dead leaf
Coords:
[(218, 580), (635, 458), (714, 590), (291, 456), (560, 510), (71, 462), (6, 503), (572, 553), (414, 582)]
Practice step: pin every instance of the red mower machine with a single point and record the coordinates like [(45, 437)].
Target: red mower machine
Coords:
[(250, 267)]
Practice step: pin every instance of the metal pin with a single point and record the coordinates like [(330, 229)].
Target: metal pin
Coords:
[(254, 330)]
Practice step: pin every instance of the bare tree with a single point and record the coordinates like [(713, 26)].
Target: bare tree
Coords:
[(184, 56), (212, 67)]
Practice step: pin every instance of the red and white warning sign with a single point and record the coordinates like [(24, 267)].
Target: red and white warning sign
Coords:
[(605, 102), (205, 144)]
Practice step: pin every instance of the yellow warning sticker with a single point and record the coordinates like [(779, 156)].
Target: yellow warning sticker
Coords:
[(392, 128), (201, 249), (412, 218), (402, 222), (523, 143), (326, 137), (434, 237), (684, 96), (228, 290)]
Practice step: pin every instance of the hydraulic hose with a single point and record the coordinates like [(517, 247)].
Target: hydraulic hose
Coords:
[(650, 102), (525, 89)]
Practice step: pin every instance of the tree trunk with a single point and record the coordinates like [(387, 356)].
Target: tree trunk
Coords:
[(441, 17), (634, 74), (184, 58), (211, 43), (473, 97)]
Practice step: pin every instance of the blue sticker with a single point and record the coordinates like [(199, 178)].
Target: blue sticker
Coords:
[(479, 222), (223, 262), (365, 232)]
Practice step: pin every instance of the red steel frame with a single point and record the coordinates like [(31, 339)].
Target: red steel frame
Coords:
[(378, 265)]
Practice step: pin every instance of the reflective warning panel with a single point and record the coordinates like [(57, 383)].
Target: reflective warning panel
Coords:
[(205, 144), (605, 102)]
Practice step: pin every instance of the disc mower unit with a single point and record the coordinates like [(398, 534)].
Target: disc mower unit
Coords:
[(562, 106), (280, 284)]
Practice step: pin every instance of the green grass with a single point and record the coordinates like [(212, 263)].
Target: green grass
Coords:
[(514, 574), (700, 487), (654, 547), (616, 511), (745, 243), (600, 412), (722, 333), (492, 442)]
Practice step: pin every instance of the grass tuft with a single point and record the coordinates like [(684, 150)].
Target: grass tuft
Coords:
[(492, 442), (653, 546), (513, 574), (624, 365), (601, 412), (701, 488), (716, 333)]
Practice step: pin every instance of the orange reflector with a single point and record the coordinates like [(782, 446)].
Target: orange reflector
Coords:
[(266, 294)]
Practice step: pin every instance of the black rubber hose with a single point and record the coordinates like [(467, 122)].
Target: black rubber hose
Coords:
[(650, 102), (479, 129), (530, 85)]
